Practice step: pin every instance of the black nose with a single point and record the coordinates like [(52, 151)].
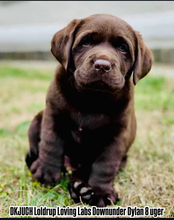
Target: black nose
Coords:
[(104, 65)]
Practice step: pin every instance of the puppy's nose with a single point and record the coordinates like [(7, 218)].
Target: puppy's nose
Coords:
[(104, 65)]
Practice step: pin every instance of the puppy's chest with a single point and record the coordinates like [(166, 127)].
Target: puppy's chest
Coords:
[(88, 127)]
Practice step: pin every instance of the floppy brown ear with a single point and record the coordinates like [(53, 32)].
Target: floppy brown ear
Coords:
[(62, 42), (143, 60)]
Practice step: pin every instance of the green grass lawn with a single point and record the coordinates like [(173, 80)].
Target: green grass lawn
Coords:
[(147, 179)]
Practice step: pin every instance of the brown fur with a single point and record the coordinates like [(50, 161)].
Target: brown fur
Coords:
[(89, 123)]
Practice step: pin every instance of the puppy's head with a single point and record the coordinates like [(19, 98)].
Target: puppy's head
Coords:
[(102, 51)]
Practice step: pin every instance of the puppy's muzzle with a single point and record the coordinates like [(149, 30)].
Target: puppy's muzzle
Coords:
[(102, 65)]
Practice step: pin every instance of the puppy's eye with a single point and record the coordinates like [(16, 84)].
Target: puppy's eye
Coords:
[(87, 43), (122, 48)]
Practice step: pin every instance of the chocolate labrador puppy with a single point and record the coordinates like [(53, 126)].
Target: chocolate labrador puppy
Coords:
[(89, 123)]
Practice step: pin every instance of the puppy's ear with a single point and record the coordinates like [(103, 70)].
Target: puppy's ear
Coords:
[(62, 42), (143, 59)]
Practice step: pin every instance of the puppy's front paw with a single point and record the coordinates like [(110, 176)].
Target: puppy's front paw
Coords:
[(80, 191), (45, 173)]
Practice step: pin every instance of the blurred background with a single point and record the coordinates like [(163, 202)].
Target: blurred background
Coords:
[(27, 27)]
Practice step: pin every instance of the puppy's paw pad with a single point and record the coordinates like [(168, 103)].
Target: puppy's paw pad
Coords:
[(76, 184), (81, 191)]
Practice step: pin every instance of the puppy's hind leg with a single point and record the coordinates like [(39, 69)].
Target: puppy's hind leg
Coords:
[(34, 139)]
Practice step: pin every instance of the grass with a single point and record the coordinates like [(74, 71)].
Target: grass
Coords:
[(147, 179)]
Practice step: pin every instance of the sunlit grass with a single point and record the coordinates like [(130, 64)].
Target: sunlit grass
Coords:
[(154, 93)]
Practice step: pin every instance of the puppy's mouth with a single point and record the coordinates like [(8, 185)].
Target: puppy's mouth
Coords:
[(96, 86)]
